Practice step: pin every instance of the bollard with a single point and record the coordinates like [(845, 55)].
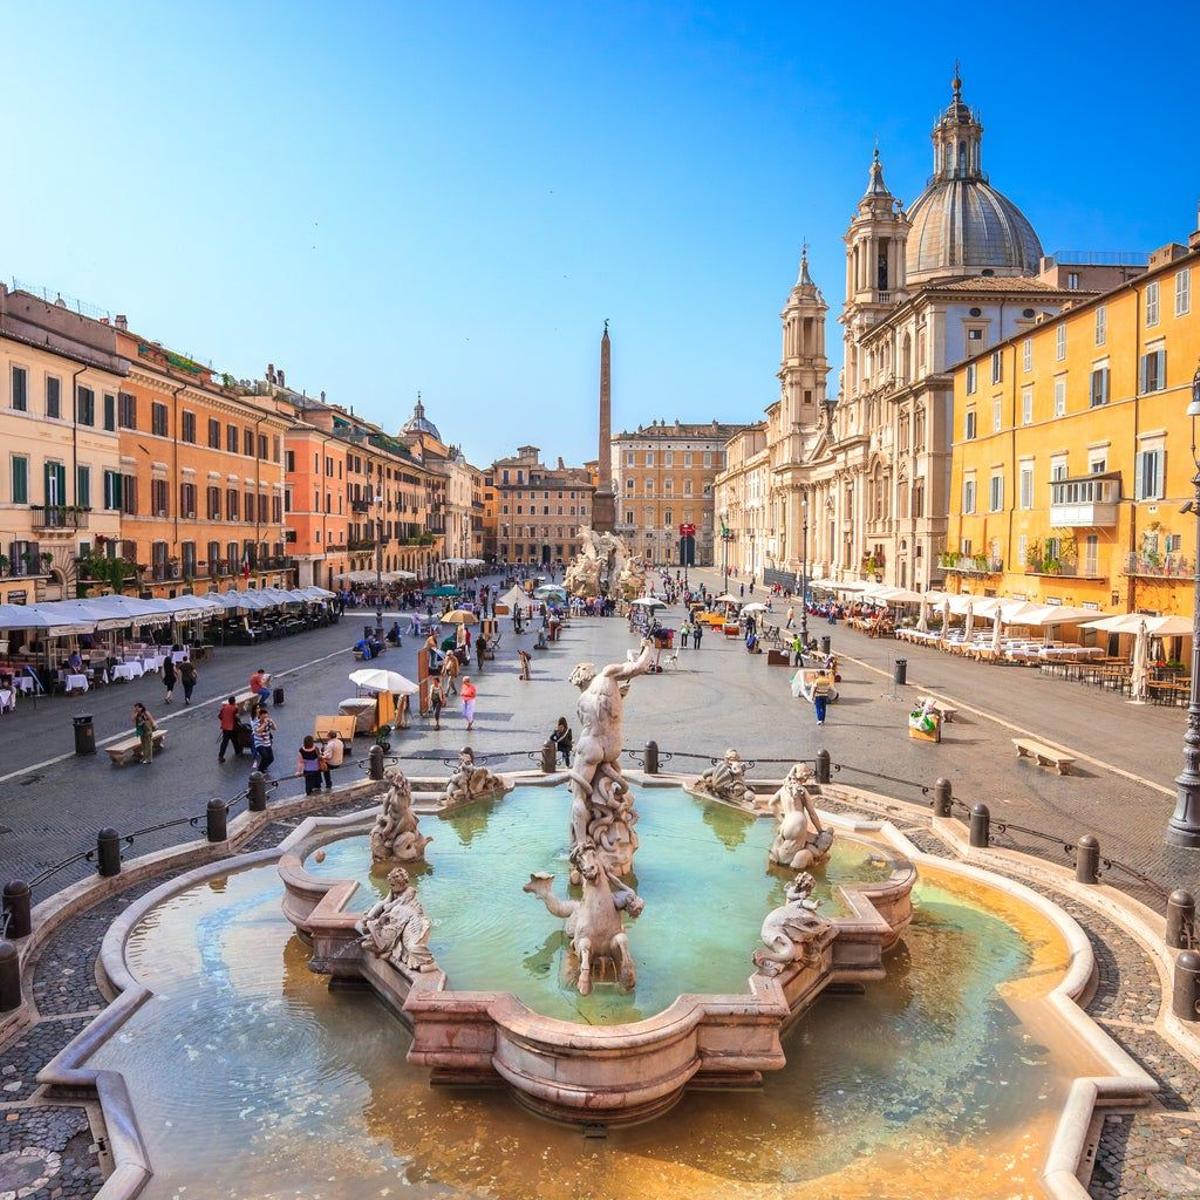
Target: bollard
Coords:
[(217, 820), (823, 766), (10, 977), (1185, 994), (651, 760), (981, 826), (549, 757), (108, 852), (375, 763), (942, 797), (1087, 859), (18, 904), (1181, 919), (256, 792)]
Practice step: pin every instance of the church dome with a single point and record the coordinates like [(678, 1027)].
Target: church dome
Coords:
[(419, 423), (960, 224)]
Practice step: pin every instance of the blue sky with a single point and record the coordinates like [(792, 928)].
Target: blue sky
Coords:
[(452, 197)]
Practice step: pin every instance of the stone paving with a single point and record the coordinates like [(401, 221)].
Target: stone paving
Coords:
[(48, 1153)]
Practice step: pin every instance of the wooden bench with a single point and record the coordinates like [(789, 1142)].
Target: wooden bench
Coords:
[(129, 749), (1046, 756), (946, 711)]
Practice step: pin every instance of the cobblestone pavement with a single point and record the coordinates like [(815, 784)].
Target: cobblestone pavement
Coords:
[(48, 1153)]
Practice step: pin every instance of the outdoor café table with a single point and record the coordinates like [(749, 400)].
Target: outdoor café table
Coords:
[(179, 656), (128, 670), (152, 662), (77, 683), (8, 700), (23, 683)]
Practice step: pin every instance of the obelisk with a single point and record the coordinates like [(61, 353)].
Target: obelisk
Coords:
[(604, 508)]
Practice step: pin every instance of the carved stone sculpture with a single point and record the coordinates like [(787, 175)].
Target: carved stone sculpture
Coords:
[(598, 940), (396, 929), (726, 780), (789, 931), (395, 835), (604, 567), (471, 782), (800, 841), (602, 811), (631, 581)]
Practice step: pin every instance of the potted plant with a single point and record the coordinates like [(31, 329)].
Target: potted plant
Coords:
[(3, 564), (47, 560)]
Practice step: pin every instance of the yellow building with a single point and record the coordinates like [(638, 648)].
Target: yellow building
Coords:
[(1071, 451)]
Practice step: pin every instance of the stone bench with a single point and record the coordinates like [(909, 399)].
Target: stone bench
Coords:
[(1045, 756), (129, 749)]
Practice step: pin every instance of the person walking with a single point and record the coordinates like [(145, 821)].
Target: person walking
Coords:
[(822, 686), (436, 700), (685, 632), (308, 763), (264, 740), (144, 726), (450, 673), (187, 676), (469, 693), (169, 678), (227, 715), (791, 617), (697, 632), (480, 650)]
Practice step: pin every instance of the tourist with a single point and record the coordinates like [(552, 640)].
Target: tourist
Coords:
[(469, 693), (822, 688), (791, 617), (264, 738), (562, 739), (333, 752), (258, 685), (308, 764), (480, 650), (227, 716), (797, 650), (450, 674), (169, 678), (685, 632), (697, 632), (523, 655), (187, 676), (144, 726), (75, 662), (436, 700)]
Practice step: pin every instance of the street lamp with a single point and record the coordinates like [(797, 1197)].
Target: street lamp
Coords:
[(1184, 826), (379, 565), (804, 568)]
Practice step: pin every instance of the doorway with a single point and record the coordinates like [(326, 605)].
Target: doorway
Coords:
[(545, 556)]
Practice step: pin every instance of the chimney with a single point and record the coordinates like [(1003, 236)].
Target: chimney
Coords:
[(122, 322)]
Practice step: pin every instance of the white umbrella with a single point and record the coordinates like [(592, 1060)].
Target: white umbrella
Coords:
[(727, 599), (1139, 673), (23, 616), (1155, 626), (997, 632), (923, 619), (968, 619), (755, 608), (945, 616), (375, 679), (648, 602)]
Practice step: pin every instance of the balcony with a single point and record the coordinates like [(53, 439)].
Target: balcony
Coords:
[(1159, 566), (360, 506), (65, 517), (972, 564), (356, 545), (1087, 569), (1089, 502)]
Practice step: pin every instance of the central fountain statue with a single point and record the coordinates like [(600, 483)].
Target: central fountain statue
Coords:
[(604, 567)]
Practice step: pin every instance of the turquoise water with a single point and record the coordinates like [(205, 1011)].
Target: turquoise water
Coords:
[(701, 869)]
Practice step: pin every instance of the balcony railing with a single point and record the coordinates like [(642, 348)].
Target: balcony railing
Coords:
[(1159, 566), (360, 506), (60, 516), (1089, 502), (359, 544), (1083, 569), (972, 564)]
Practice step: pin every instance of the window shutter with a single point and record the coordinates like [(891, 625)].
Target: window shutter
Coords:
[(1137, 474), (1142, 373), (1160, 369), (1160, 490)]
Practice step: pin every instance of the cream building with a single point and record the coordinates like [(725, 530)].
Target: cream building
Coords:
[(60, 376), (740, 500)]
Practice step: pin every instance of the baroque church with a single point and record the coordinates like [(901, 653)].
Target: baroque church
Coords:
[(861, 480)]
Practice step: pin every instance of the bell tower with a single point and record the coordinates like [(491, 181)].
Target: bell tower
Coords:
[(803, 366)]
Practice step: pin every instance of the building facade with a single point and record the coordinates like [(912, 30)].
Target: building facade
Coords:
[(539, 509), (1072, 452), (740, 500), (662, 478)]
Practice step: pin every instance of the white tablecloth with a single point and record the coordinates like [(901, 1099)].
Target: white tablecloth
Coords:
[(77, 683), (179, 656), (128, 670), (152, 662), (23, 683), (8, 699)]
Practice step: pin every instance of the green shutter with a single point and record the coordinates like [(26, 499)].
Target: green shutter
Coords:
[(20, 480)]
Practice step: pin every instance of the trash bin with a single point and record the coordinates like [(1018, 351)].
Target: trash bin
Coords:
[(825, 644), (900, 672), (85, 734), (277, 695)]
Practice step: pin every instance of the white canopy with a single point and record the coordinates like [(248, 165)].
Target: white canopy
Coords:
[(1055, 614), (375, 679), (317, 593), (26, 616), (1130, 622)]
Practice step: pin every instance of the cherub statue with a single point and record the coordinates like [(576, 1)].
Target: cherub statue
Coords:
[(396, 928), (470, 782), (800, 841), (789, 931), (395, 834), (726, 780)]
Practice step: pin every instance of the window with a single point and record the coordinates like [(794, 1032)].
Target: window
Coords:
[(996, 493), (971, 378), (85, 406), (187, 432), (708, 458), (83, 486), (20, 389), (127, 411), (649, 458), (158, 420), (668, 518), (1027, 406), (997, 414), (1073, 281), (1152, 371), (1099, 386), (1101, 324), (110, 412), (997, 366), (1149, 478), (1027, 354), (668, 458), (1097, 463), (213, 509), (1022, 548), (248, 442), (1152, 303), (128, 493), (53, 397), (160, 500), (277, 509), (1060, 343), (629, 458), (1091, 555), (1026, 486), (264, 509), (687, 458), (687, 487), (20, 479), (231, 439), (968, 495), (1183, 292), (975, 335), (214, 434), (262, 445), (232, 504), (187, 500), (1060, 396), (290, 464), (1058, 468), (112, 490), (969, 425)]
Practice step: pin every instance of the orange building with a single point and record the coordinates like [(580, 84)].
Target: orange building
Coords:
[(201, 482), (315, 504)]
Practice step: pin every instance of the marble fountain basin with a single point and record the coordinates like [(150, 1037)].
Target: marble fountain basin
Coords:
[(497, 1010)]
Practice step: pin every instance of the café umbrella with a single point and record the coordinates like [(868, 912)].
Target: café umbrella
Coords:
[(375, 679), (459, 616)]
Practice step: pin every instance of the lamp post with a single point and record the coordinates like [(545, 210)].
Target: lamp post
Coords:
[(379, 565), (804, 568), (1184, 827)]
